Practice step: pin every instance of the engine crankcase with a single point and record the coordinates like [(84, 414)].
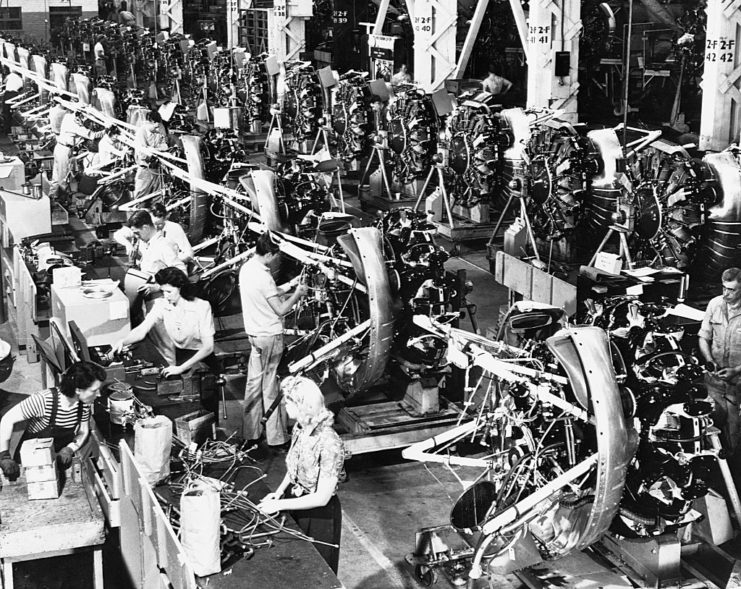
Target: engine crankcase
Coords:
[(721, 242), (606, 189), (364, 248)]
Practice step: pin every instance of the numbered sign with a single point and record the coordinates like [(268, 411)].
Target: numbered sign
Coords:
[(721, 49), (279, 8)]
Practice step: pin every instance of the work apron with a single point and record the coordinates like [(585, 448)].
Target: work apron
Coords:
[(62, 435)]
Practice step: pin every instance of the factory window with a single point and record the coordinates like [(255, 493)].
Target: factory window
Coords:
[(253, 30), (10, 19)]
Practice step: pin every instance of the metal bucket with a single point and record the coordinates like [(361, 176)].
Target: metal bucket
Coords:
[(121, 404)]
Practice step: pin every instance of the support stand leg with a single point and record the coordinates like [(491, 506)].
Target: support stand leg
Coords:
[(381, 165), (529, 228), (727, 478), (422, 192), (602, 245), (502, 216)]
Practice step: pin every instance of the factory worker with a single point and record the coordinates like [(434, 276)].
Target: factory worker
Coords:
[(99, 55), (495, 84), (314, 463), (149, 135), (263, 308), (401, 77), (62, 413), (720, 346), (70, 130), (153, 253), (188, 322), (154, 250), (13, 84), (56, 114), (110, 147), (170, 229)]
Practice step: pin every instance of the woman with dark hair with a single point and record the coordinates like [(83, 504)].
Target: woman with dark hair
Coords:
[(62, 413), (188, 321)]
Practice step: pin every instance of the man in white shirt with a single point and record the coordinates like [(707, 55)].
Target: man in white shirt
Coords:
[(99, 54), (171, 230), (13, 85), (70, 131), (149, 136), (56, 115), (263, 308), (156, 252)]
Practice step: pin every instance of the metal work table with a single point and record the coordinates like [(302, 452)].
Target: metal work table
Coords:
[(53, 527), (288, 562)]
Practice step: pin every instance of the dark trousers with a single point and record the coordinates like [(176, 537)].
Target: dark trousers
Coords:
[(325, 524)]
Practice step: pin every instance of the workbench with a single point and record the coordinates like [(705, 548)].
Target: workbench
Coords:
[(31, 530)]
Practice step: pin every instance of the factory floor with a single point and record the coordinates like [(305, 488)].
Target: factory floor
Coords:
[(386, 498)]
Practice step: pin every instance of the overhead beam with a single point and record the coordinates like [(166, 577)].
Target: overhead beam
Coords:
[(473, 32)]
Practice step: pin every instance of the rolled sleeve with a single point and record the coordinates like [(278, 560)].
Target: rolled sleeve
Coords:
[(207, 328)]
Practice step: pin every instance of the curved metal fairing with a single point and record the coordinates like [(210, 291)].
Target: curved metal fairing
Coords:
[(106, 100), (584, 353), (264, 199), (199, 198), (364, 248)]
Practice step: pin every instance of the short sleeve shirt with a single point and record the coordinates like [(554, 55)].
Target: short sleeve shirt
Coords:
[(316, 452), (159, 253), (721, 326), (36, 409), (256, 286), (175, 233), (187, 323)]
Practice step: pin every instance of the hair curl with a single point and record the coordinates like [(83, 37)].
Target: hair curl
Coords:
[(177, 278), (80, 375)]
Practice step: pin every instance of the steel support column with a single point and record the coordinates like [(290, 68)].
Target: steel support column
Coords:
[(719, 125), (434, 23), (553, 27), (287, 28)]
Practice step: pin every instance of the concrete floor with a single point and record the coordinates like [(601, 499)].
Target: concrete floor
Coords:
[(386, 499)]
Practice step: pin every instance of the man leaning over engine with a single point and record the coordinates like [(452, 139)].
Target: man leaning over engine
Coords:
[(720, 346)]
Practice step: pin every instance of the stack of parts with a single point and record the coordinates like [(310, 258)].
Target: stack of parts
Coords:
[(39, 460)]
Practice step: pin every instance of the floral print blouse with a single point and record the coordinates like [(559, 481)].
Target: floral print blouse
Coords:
[(316, 452)]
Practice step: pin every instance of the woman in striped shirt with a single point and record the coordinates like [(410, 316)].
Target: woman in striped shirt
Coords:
[(62, 413)]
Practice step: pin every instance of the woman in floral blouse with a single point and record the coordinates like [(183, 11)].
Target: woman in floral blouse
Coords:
[(314, 463)]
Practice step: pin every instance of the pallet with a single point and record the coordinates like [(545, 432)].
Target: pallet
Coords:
[(389, 425), (464, 230), (382, 203)]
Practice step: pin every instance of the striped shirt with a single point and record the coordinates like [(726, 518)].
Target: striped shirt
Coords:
[(36, 409)]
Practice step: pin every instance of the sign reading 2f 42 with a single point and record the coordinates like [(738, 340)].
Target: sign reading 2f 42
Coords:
[(720, 49)]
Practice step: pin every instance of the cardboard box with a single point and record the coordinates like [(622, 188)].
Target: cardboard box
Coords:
[(44, 490), (41, 474), (195, 426), (38, 452), (101, 321)]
